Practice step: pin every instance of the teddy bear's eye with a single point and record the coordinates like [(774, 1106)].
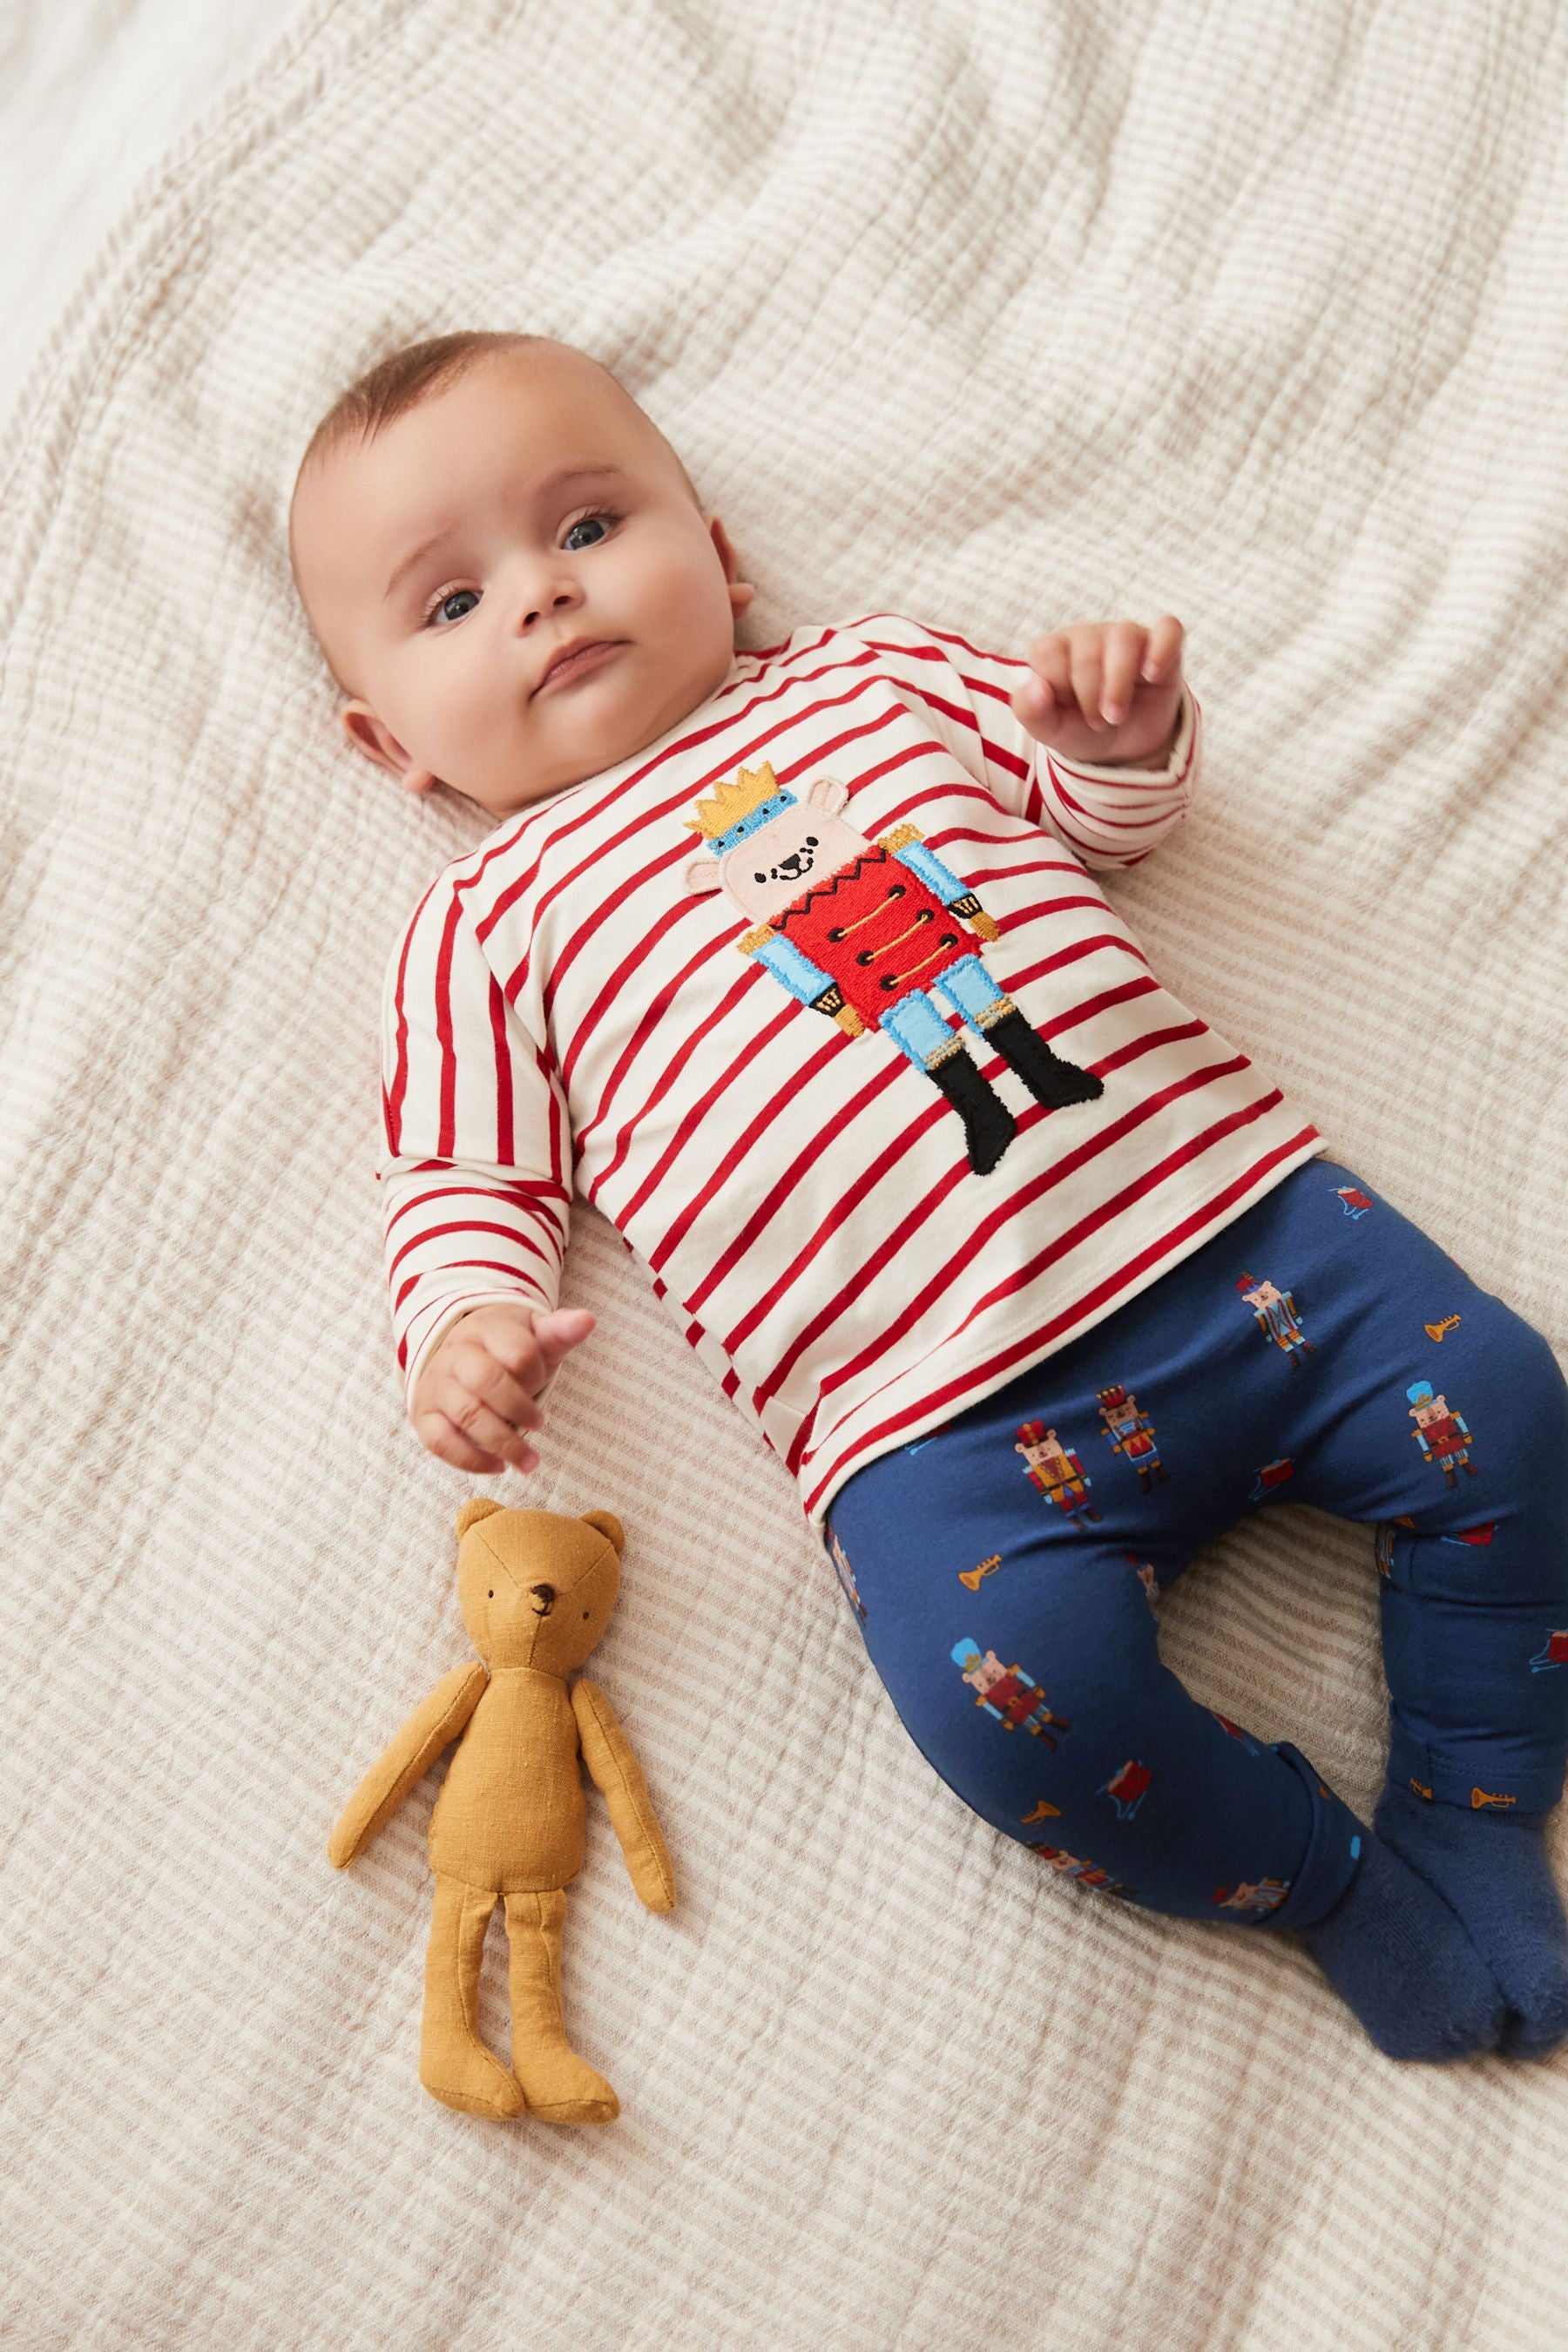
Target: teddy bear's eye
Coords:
[(491, 1593), (587, 1615)]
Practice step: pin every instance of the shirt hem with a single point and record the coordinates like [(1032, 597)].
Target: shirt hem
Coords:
[(999, 1338)]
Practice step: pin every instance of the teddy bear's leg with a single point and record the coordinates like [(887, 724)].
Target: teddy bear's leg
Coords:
[(560, 2087), (453, 2065)]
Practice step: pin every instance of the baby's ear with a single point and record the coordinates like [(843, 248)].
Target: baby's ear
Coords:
[(608, 1525), (376, 738), (703, 874), (477, 1508)]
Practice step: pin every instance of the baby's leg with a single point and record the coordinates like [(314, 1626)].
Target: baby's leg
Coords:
[(1451, 1427), (1017, 1641)]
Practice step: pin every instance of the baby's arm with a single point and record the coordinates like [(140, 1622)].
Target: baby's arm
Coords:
[(1109, 790), (476, 1193)]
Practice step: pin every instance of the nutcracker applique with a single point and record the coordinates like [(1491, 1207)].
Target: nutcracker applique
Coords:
[(1277, 1317), (1443, 1436), (877, 927), (1006, 1692), (1055, 1470), (1131, 1434)]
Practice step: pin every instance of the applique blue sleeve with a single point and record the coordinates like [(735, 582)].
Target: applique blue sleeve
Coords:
[(799, 974), (933, 872)]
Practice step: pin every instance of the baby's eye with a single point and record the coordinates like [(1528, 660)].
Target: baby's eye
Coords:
[(597, 522), (464, 599)]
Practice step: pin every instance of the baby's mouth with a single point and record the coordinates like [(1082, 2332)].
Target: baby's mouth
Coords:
[(586, 657)]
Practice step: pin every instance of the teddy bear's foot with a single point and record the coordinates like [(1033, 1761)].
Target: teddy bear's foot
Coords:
[(560, 2087), (472, 2082)]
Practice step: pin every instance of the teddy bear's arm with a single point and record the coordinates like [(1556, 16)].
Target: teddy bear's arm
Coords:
[(408, 1757), (607, 1753)]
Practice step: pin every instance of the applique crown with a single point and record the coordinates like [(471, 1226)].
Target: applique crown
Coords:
[(730, 803)]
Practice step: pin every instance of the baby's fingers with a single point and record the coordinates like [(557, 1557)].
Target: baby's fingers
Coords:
[(490, 1430), (1162, 655), (1050, 686), (450, 1443), (1125, 642), (1087, 667)]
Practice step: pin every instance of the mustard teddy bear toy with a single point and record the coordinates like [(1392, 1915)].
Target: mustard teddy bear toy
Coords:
[(536, 1588)]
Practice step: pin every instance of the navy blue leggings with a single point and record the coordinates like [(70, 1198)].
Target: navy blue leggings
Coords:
[(1007, 1569)]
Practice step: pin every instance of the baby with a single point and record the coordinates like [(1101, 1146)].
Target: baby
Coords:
[(793, 960)]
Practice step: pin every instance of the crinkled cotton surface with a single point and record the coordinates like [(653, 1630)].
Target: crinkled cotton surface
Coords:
[(1002, 315)]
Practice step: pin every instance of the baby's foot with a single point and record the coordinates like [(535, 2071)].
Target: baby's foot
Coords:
[(1493, 1869), (1395, 1950)]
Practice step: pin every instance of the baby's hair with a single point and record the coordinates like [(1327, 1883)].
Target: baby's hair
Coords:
[(401, 380), (406, 377)]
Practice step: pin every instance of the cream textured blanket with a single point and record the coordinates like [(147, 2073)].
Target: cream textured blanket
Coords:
[(1002, 315)]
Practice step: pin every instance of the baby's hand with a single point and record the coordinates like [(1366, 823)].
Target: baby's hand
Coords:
[(473, 1400), (1105, 692)]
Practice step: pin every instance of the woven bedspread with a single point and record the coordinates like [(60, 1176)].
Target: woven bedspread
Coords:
[(1002, 313)]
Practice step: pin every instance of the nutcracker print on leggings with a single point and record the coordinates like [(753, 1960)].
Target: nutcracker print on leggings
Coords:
[(864, 931)]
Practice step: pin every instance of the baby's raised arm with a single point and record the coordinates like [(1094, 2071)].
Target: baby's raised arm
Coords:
[(475, 1399)]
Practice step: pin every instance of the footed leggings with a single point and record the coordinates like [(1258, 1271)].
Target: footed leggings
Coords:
[(1006, 1569)]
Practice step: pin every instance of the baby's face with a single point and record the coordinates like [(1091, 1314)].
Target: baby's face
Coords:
[(445, 563)]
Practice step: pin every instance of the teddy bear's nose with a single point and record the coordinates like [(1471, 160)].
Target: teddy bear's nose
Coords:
[(545, 1596)]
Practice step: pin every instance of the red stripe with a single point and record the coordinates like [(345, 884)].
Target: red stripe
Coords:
[(967, 1383), (504, 1145), (475, 1225), (951, 833), (444, 1037), (400, 1072), (1097, 816), (488, 1265), (521, 1196)]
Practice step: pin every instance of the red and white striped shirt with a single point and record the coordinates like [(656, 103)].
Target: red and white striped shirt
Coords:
[(575, 1006)]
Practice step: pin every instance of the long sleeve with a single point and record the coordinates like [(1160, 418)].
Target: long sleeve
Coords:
[(476, 1171), (1106, 817)]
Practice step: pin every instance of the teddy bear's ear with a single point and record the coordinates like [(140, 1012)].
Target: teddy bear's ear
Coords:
[(608, 1525), (477, 1508)]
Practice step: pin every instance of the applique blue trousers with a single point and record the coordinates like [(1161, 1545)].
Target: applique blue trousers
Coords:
[(1006, 1570)]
